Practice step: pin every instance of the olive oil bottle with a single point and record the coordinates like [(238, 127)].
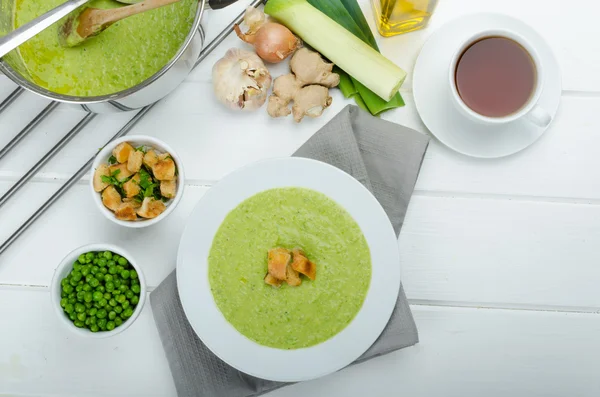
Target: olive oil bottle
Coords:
[(402, 16)]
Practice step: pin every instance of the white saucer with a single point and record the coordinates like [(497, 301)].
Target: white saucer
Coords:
[(432, 91)]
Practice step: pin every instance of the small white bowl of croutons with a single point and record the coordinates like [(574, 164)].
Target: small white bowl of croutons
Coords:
[(137, 180)]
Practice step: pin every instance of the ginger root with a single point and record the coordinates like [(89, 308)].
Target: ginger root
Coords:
[(307, 86)]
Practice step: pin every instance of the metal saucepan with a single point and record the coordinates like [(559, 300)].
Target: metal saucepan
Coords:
[(146, 93)]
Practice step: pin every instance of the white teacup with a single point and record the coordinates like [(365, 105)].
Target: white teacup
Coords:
[(531, 111)]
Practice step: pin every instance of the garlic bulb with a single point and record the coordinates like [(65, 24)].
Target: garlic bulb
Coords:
[(241, 80)]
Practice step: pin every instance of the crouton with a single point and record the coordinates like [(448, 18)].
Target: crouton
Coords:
[(279, 258), (133, 202), (168, 188), (121, 152), (134, 161), (292, 276), (302, 265), (101, 171), (131, 187), (126, 212), (272, 281), (150, 158), (123, 173), (164, 170), (151, 208), (111, 198)]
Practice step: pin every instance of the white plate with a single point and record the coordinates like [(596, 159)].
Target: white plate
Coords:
[(266, 362), (432, 91)]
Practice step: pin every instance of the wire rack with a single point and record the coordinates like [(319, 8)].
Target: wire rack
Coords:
[(85, 120)]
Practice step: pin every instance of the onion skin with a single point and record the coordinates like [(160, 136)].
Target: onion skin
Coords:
[(272, 42)]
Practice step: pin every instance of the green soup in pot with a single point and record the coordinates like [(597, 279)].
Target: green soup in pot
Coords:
[(289, 317), (126, 54)]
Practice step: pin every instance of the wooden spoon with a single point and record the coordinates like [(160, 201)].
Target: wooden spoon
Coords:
[(89, 22)]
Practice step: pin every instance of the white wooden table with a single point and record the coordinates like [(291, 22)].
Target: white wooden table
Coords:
[(500, 258)]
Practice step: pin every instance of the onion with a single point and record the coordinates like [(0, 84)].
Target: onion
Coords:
[(272, 41)]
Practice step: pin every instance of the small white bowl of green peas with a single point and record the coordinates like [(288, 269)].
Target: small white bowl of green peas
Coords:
[(98, 290)]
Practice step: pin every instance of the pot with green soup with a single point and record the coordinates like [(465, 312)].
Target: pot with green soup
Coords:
[(134, 63)]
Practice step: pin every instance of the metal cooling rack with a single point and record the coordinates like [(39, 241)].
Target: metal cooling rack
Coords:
[(85, 120)]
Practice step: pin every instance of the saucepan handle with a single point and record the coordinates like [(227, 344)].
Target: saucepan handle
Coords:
[(218, 4)]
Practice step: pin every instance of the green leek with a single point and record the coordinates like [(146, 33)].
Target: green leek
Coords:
[(340, 46)]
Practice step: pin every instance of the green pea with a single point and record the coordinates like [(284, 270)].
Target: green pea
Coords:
[(118, 321), (121, 298), (81, 316), (116, 292), (64, 281), (88, 321), (135, 281), (109, 286), (85, 271), (80, 295), (94, 282), (102, 262), (73, 282), (102, 323), (133, 274), (110, 325), (93, 320), (92, 311), (63, 294), (100, 276), (73, 316), (79, 288), (97, 295), (88, 305), (78, 324), (94, 270), (123, 288), (120, 269), (95, 261), (129, 294), (125, 274), (94, 328), (103, 270), (88, 296), (125, 304), (69, 308), (101, 313), (122, 261), (112, 314), (81, 282), (87, 287), (63, 302), (107, 254), (108, 277), (136, 288), (117, 282), (111, 263), (116, 257), (128, 312), (76, 265), (72, 301), (107, 296), (79, 308), (134, 300), (68, 288), (112, 302), (89, 277), (90, 256), (118, 309), (81, 258), (103, 302), (112, 270), (122, 315)]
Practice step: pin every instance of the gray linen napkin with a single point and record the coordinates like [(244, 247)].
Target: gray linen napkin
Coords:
[(383, 156)]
